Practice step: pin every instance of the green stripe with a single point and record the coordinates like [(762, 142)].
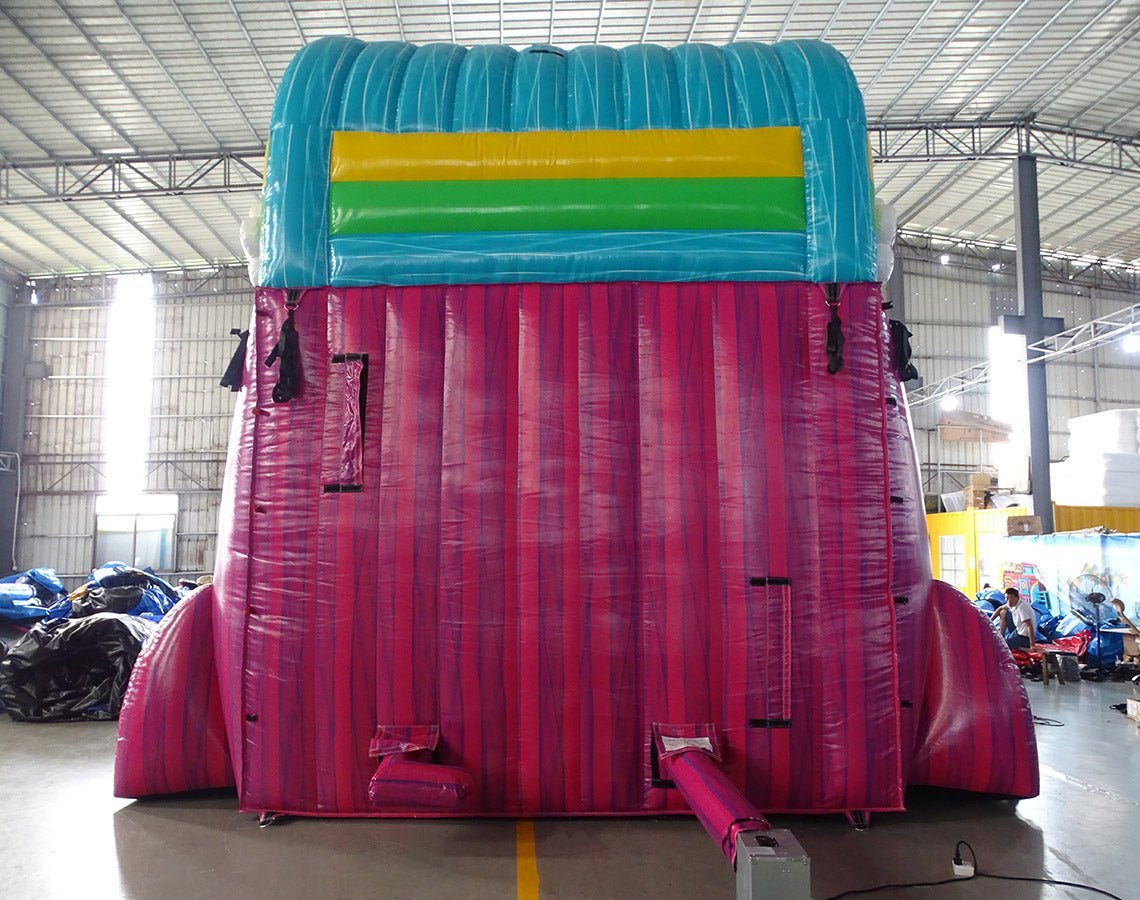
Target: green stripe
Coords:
[(604, 204)]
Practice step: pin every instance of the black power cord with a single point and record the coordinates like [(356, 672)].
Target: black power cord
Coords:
[(976, 874)]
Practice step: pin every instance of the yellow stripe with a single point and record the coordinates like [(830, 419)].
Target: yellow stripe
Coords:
[(527, 864), (493, 156)]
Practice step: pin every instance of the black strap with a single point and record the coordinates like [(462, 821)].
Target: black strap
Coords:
[(235, 371), (288, 351), (835, 339), (901, 351)]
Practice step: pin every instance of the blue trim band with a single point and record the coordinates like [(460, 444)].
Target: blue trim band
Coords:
[(566, 256)]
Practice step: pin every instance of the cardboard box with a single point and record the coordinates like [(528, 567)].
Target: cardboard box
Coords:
[(1023, 525), (975, 498), (1133, 709), (983, 481)]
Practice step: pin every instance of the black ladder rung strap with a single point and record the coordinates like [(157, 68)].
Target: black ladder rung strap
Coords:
[(342, 488), (769, 581)]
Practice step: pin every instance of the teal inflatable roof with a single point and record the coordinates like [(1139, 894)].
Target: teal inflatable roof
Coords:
[(341, 84)]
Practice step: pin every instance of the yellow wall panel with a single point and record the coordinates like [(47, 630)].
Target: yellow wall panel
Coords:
[(1076, 518)]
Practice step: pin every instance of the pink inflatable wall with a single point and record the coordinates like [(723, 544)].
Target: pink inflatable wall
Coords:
[(566, 493)]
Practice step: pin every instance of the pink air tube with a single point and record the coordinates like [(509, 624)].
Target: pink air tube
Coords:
[(404, 783), (722, 809)]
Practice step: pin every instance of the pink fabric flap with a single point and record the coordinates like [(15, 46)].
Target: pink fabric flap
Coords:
[(391, 739), (673, 739)]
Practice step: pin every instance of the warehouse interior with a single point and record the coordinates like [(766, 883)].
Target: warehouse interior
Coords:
[(1005, 143)]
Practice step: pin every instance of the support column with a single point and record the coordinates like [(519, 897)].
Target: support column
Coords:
[(1028, 229), (13, 387)]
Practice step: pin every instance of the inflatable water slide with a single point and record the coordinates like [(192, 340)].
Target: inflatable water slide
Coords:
[(572, 472)]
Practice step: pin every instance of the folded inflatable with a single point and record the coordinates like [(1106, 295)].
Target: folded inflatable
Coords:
[(572, 471)]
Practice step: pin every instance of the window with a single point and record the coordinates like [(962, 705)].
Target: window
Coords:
[(990, 560), (952, 559), (131, 526), (138, 531)]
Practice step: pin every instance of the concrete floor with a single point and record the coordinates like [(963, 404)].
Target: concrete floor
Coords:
[(63, 835)]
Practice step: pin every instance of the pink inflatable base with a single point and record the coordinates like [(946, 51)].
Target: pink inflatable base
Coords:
[(541, 519)]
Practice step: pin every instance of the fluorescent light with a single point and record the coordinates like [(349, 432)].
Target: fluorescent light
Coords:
[(996, 267), (951, 402), (1131, 343), (944, 259), (128, 373)]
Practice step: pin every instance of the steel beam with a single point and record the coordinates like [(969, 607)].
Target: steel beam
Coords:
[(1072, 341), (958, 383), (227, 170), (1080, 338), (958, 141), (1074, 268), (1031, 301), (119, 177), (696, 18)]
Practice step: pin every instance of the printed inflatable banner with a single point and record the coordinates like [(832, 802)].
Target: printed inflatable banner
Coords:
[(1069, 567)]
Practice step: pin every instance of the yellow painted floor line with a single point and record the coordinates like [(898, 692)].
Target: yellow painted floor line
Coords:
[(526, 863)]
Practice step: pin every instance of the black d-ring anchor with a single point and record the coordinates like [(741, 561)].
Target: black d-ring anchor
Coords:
[(835, 339), (288, 351), (233, 378)]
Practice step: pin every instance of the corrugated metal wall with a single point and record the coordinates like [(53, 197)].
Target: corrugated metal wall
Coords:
[(65, 413), (949, 309)]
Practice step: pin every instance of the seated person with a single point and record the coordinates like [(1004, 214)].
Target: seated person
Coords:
[(1018, 622)]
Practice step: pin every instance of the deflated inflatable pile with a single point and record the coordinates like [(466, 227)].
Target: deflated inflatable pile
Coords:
[(579, 479)]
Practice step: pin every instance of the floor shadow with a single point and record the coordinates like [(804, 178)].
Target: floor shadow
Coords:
[(919, 845)]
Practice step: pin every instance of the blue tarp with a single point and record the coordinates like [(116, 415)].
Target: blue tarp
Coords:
[(19, 603), (43, 582), (113, 587)]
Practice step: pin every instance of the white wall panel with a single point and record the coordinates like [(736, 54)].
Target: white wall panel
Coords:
[(949, 309)]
